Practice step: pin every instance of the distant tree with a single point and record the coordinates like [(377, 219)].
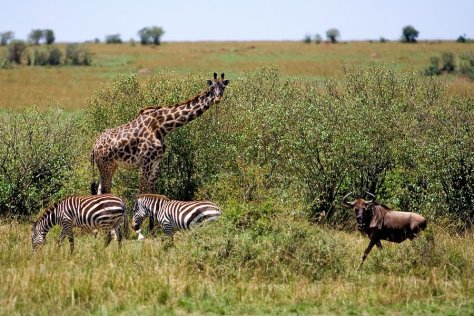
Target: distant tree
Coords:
[(15, 51), (307, 39), (409, 34), (144, 34), (152, 33), (5, 37), (113, 39), (317, 38), (333, 35), (461, 39), (35, 36), (156, 33), (382, 39), (97, 40), (48, 36)]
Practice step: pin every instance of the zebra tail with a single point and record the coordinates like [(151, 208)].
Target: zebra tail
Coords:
[(93, 183), (126, 230)]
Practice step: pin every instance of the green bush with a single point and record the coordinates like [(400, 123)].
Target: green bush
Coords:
[(77, 55), (42, 56), (466, 64), (305, 144), (15, 51), (37, 151)]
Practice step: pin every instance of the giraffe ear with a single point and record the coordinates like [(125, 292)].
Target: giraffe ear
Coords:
[(209, 82), (226, 82)]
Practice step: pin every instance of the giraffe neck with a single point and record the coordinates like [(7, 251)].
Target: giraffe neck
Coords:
[(181, 114)]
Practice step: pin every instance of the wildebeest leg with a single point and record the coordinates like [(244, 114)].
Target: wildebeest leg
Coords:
[(379, 245), (372, 243)]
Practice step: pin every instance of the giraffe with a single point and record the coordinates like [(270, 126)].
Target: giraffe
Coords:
[(140, 142)]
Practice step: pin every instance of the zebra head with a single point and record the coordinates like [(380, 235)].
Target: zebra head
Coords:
[(140, 211), (38, 237)]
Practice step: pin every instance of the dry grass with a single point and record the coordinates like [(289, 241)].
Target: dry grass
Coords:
[(71, 87), (156, 277)]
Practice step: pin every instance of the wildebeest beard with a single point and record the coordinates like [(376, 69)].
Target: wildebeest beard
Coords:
[(364, 221)]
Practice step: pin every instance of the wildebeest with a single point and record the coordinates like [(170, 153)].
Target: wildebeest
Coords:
[(381, 223)]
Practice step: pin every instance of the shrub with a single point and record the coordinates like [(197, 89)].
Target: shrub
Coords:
[(36, 158), (77, 55), (113, 39), (15, 51), (466, 64), (43, 56), (448, 63), (300, 143)]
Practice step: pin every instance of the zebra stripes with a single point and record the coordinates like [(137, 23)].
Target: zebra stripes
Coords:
[(102, 212), (172, 215)]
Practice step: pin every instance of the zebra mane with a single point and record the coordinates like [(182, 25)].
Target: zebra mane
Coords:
[(46, 212), (155, 196)]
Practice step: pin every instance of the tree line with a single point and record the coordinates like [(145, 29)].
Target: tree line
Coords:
[(409, 35)]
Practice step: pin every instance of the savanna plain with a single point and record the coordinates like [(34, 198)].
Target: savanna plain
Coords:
[(299, 126)]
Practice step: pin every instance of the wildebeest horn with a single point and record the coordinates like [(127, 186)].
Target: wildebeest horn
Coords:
[(215, 76), (372, 195), (344, 199)]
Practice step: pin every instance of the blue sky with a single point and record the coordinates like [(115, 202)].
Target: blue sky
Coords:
[(187, 20)]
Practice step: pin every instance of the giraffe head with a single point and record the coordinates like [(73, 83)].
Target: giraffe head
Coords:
[(218, 87)]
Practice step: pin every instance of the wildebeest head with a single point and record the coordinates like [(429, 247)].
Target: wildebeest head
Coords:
[(363, 209)]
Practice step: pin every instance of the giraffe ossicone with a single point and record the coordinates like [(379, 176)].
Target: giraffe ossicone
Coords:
[(140, 142)]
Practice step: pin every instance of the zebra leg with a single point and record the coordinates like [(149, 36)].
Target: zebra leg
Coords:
[(108, 238), (70, 236), (61, 237)]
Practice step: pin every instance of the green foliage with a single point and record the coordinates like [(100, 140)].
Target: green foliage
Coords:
[(306, 143), (77, 55), (36, 158), (5, 37), (307, 39), (48, 36), (409, 34), (333, 35), (43, 56), (151, 34), (113, 39), (462, 39), (35, 36), (318, 39), (466, 64), (15, 51)]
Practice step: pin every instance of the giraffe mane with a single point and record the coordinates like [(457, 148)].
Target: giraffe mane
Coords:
[(174, 105)]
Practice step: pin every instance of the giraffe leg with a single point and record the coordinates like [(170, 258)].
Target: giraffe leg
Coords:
[(107, 171), (148, 175)]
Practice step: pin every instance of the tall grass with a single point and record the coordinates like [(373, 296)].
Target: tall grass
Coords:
[(270, 264)]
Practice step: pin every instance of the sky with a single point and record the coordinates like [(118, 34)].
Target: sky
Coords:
[(239, 20)]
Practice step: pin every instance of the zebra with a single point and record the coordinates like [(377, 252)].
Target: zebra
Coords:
[(172, 215), (105, 212)]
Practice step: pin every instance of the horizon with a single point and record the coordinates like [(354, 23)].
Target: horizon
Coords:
[(247, 21)]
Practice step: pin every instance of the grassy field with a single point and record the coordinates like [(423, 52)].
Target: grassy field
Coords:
[(71, 87), (263, 256), (288, 268)]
